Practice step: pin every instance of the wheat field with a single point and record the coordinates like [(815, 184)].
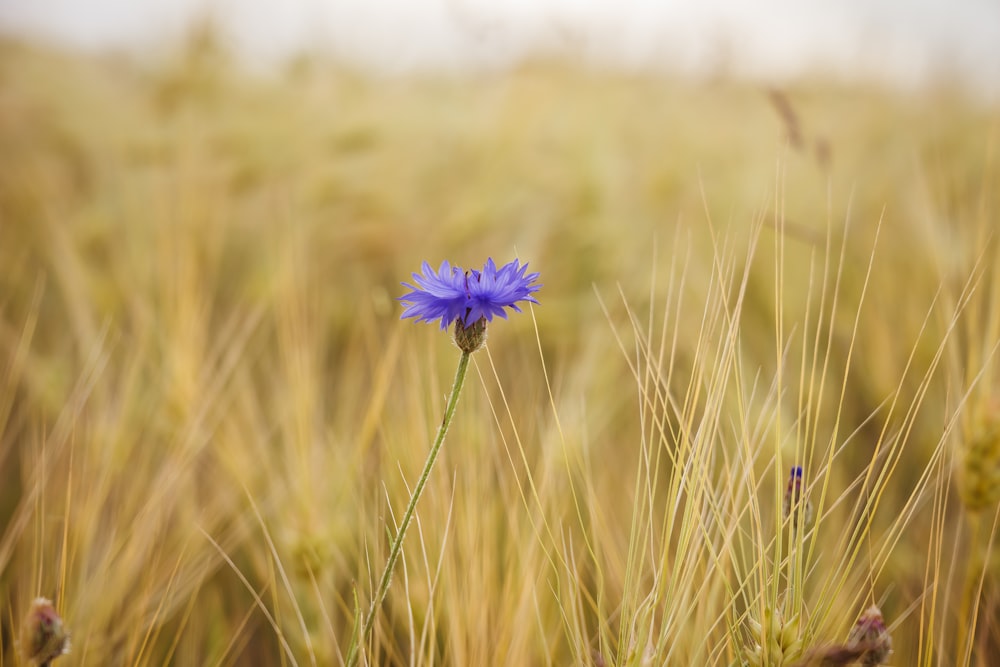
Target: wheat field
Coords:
[(211, 415)]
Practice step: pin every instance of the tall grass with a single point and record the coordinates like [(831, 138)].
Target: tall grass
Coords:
[(211, 418)]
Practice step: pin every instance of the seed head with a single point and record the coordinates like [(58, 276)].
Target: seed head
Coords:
[(979, 474), (775, 641)]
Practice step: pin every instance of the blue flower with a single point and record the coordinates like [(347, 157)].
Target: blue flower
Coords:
[(468, 296)]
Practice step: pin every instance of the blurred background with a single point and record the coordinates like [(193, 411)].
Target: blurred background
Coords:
[(897, 41), (767, 233)]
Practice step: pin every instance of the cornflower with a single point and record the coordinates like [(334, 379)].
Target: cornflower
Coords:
[(470, 299)]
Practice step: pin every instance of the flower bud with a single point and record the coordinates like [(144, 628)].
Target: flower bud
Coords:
[(794, 500), (871, 634), (43, 635)]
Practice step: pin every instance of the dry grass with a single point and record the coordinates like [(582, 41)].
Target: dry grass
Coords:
[(210, 413)]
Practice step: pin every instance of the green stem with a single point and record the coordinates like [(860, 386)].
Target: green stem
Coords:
[(354, 652)]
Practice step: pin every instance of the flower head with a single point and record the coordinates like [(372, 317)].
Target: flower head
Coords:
[(452, 294)]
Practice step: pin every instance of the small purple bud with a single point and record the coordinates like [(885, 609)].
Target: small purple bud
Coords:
[(871, 634), (793, 500), (43, 635)]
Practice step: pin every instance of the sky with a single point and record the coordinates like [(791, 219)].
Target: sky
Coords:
[(902, 41)]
